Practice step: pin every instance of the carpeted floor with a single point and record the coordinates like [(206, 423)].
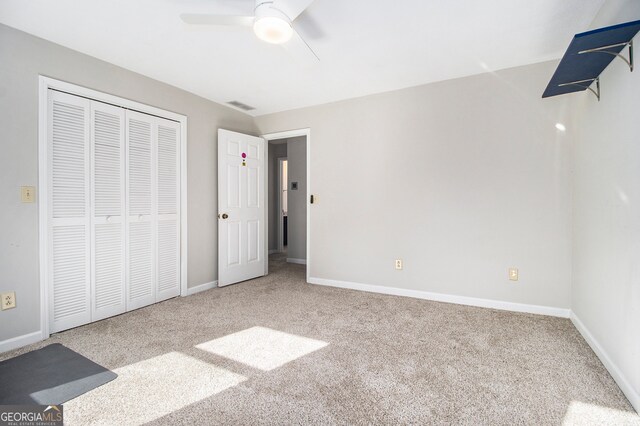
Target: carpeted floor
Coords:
[(278, 351)]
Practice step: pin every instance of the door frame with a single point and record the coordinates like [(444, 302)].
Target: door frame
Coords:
[(279, 227), (46, 83), (286, 135)]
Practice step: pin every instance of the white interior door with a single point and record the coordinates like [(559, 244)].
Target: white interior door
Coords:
[(153, 220), (168, 209), (112, 210), (108, 210), (241, 207), (69, 248), (141, 199)]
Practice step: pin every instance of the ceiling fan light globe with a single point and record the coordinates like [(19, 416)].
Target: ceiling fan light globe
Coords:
[(272, 29)]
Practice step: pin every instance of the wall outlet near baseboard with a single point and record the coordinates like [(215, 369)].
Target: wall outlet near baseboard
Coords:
[(8, 300), (398, 264), (513, 274)]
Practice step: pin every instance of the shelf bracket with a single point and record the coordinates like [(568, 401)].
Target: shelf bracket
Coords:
[(581, 83), (603, 49)]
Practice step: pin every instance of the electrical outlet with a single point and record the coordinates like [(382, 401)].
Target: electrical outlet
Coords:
[(398, 264), (513, 274), (8, 300)]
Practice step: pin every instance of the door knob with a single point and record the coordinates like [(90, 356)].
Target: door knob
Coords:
[(225, 216)]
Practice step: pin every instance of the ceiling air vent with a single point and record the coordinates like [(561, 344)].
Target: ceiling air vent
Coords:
[(240, 105)]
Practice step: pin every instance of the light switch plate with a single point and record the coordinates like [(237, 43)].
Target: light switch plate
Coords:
[(28, 194), (513, 274)]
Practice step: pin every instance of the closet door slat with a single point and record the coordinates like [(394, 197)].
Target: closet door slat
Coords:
[(139, 140)]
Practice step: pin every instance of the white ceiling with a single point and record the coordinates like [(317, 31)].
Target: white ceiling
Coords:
[(365, 46)]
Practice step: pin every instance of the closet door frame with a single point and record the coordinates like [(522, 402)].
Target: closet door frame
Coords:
[(46, 83)]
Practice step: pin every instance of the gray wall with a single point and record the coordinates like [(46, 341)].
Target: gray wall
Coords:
[(461, 179), (606, 212), (275, 151), (22, 58), (297, 213)]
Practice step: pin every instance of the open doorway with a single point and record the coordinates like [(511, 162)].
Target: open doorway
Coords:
[(288, 199), (283, 188)]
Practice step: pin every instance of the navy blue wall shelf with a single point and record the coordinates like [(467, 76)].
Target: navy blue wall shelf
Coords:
[(588, 55)]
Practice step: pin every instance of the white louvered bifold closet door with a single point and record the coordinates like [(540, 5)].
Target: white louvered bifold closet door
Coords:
[(69, 251), (168, 203), (141, 220), (113, 210), (108, 207), (153, 201)]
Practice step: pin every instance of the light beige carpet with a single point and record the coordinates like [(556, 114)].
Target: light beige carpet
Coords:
[(279, 351)]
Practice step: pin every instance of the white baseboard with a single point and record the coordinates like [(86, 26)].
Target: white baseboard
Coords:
[(20, 341), (447, 298), (618, 376), (202, 287), (298, 261)]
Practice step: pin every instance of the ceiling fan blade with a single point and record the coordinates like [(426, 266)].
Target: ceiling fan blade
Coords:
[(201, 19), (300, 49), (292, 8), (308, 27)]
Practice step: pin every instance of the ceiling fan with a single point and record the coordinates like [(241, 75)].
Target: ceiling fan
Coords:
[(272, 22)]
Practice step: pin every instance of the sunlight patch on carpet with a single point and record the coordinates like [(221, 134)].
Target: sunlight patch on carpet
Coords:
[(582, 413), (262, 348), (150, 389)]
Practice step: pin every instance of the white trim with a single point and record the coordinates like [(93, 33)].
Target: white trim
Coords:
[(202, 287), (74, 89), (46, 83), (265, 167), (42, 204), (616, 373), (297, 261), (292, 134), (184, 290), (20, 341), (447, 298)]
